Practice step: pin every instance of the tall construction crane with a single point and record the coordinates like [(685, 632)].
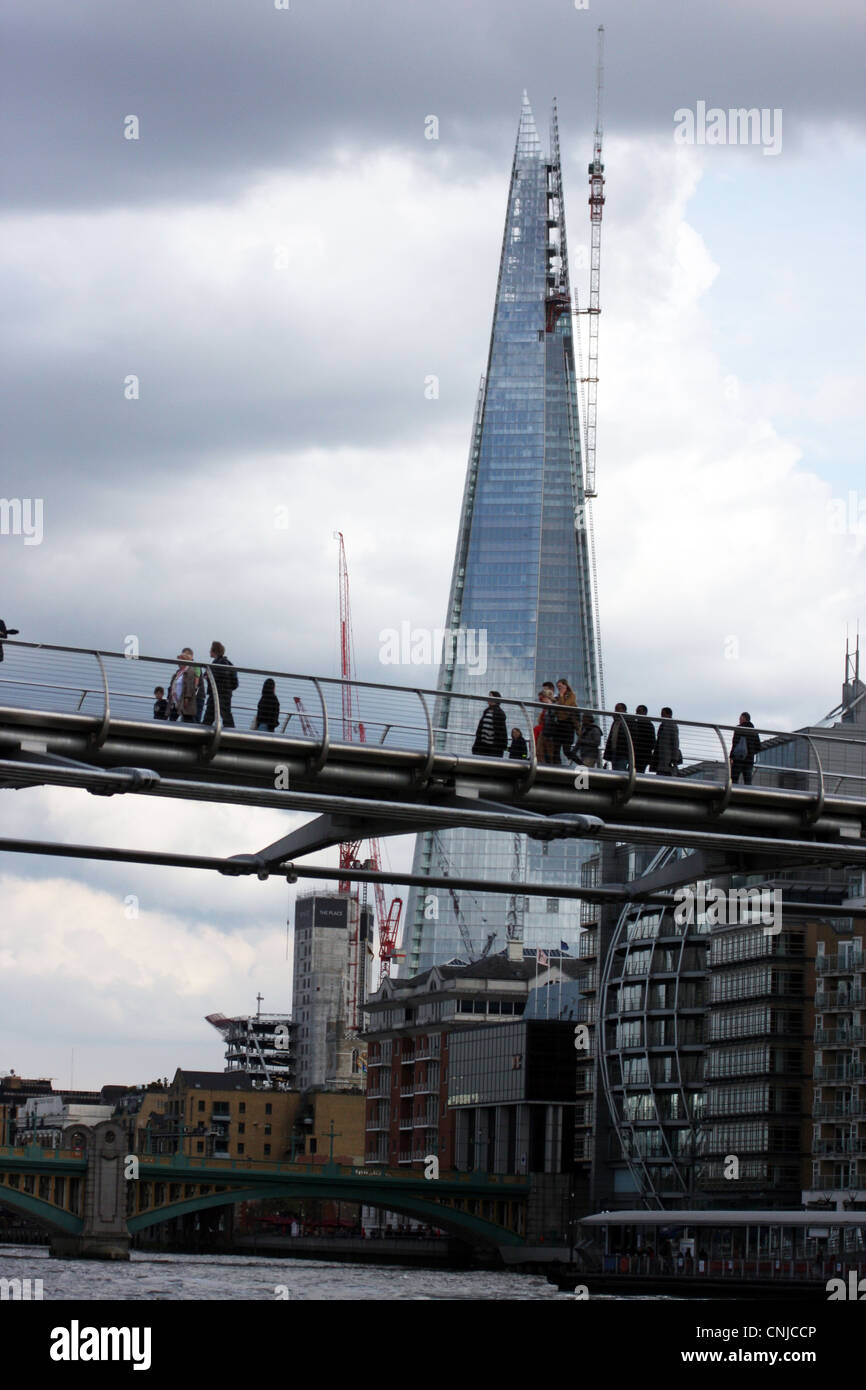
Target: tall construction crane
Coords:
[(590, 381), (596, 205), (387, 918)]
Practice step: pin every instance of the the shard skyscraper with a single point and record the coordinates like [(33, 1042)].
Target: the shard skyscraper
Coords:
[(521, 571)]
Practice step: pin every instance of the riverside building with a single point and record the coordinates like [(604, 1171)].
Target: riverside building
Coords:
[(711, 1042), (506, 1098)]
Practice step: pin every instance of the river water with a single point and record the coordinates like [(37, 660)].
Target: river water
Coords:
[(252, 1277)]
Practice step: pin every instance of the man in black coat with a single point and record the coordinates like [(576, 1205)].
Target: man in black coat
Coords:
[(745, 745), (668, 755), (226, 681), (644, 735), (617, 751), (491, 736)]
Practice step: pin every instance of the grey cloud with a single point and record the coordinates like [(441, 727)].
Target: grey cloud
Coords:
[(223, 89)]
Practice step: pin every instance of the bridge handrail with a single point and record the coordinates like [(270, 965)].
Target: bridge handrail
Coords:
[(425, 740)]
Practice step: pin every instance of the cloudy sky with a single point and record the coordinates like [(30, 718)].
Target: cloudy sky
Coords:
[(281, 258)]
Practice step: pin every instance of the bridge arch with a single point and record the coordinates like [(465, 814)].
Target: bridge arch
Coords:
[(476, 1230), (36, 1209)]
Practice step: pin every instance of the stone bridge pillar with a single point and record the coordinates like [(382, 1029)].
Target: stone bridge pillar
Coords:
[(105, 1235)]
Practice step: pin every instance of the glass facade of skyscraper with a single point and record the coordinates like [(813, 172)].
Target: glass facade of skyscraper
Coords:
[(522, 570)]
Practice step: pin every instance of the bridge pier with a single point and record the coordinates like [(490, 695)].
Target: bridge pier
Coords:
[(104, 1234)]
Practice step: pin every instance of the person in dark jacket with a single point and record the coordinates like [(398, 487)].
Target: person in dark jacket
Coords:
[(160, 703), (617, 750), (667, 756), (268, 711), (518, 747), (491, 736), (566, 718), (6, 632), (644, 735), (588, 741), (745, 745), (226, 681)]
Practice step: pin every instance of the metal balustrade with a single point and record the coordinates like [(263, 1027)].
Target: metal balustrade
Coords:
[(100, 689)]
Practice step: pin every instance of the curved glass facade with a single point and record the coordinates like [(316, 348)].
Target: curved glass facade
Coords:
[(521, 573), (652, 1001)]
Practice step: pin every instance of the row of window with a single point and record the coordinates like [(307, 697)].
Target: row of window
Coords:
[(239, 1149), (221, 1109), (748, 984), (663, 994), (733, 946), (660, 1032), (739, 1061), (490, 1006), (664, 1070), (738, 1100)]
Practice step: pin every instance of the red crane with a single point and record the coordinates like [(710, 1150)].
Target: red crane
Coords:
[(387, 918)]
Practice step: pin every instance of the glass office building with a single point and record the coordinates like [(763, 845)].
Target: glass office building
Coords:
[(521, 588)]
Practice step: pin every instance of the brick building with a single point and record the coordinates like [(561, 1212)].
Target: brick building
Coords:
[(410, 1026), (224, 1115)]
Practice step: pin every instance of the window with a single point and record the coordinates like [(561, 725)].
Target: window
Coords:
[(242, 1129), (240, 1148), (201, 1105), (267, 1150), (199, 1148), (267, 1129), (553, 904), (268, 1108), (243, 1107)]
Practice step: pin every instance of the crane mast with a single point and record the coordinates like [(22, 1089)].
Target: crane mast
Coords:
[(596, 205)]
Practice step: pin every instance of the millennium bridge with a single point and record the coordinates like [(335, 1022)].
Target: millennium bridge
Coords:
[(373, 760)]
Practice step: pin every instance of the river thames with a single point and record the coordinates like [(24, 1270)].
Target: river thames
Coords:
[(146, 1278)]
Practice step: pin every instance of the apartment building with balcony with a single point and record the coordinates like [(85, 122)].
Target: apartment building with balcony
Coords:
[(723, 1077), (754, 1131), (838, 1150)]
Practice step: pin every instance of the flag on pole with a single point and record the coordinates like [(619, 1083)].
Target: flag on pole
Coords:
[(543, 958), (563, 946)]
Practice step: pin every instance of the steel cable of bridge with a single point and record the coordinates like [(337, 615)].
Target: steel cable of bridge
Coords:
[(242, 866), (840, 850)]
